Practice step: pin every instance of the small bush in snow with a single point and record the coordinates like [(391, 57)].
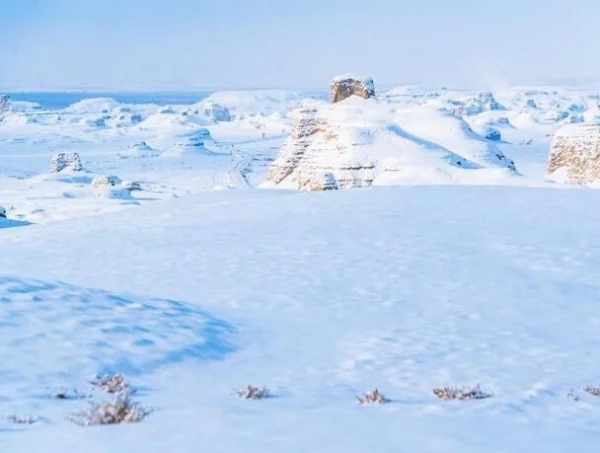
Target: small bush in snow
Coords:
[(21, 419), (111, 383), (64, 394), (372, 397), (121, 410), (593, 390), (461, 394), (252, 393)]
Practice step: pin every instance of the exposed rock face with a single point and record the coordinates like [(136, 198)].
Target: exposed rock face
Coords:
[(5, 104), (132, 186), (343, 87), (356, 144), (575, 154), (296, 145), (65, 161), (324, 181), (216, 112)]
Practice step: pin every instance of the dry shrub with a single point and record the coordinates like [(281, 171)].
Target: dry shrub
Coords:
[(372, 397), (64, 394), (121, 410), (21, 419), (111, 383), (460, 393), (592, 389), (252, 393)]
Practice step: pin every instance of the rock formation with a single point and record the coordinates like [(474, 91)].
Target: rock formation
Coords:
[(2, 212), (342, 87), (324, 181), (575, 154), (131, 186), (65, 161), (5, 104), (358, 143), (305, 127), (216, 112)]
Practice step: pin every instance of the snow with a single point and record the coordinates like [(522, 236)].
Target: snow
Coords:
[(201, 283), (322, 296)]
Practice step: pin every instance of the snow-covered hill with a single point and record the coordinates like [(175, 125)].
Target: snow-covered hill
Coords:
[(191, 281)]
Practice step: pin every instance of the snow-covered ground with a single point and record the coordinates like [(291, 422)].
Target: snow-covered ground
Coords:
[(200, 283)]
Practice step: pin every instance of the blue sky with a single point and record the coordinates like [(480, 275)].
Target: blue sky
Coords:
[(185, 44)]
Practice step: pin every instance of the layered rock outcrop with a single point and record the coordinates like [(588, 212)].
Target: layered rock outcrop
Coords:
[(65, 161), (216, 112), (575, 154), (300, 139), (358, 143), (342, 87), (5, 104)]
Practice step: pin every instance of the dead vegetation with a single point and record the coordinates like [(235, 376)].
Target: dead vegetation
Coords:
[(21, 419), (460, 393), (592, 389), (372, 397), (65, 394), (111, 383), (121, 410), (252, 393)]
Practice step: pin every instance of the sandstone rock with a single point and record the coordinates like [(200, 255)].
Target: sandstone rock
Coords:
[(216, 112), (342, 87), (483, 102), (131, 186), (5, 104), (65, 161), (325, 181), (575, 154), (305, 127), (357, 144)]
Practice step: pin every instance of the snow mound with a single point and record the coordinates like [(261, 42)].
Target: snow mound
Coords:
[(17, 119), (10, 223), (138, 150), (190, 142), (57, 333), (103, 181), (93, 105), (167, 118), (115, 193), (254, 102)]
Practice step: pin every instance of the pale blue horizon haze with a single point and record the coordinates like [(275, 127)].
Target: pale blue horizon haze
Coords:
[(197, 44)]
